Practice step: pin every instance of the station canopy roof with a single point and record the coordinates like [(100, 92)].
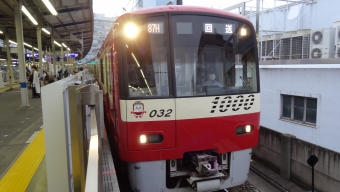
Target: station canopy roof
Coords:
[(73, 21)]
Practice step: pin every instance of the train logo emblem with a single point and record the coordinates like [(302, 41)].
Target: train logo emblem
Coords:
[(138, 109)]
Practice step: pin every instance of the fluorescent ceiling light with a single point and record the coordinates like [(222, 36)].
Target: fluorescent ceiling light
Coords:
[(28, 45), (46, 31), (1, 32), (68, 49), (57, 43), (64, 45), (29, 15), (36, 48), (12, 42), (50, 7)]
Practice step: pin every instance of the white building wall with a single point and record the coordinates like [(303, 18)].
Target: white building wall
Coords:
[(307, 80), (153, 3), (321, 14)]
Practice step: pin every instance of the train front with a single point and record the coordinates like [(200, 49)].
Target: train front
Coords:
[(189, 100)]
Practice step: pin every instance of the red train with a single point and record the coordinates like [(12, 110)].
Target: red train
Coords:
[(182, 99)]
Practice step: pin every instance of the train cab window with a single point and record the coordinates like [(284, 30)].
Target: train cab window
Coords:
[(146, 57), (213, 56)]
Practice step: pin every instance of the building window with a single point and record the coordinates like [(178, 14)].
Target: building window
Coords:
[(299, 109)]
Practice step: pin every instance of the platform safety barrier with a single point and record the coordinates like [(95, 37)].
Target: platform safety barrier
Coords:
[(94, 172), (89, 101), (74, 129)]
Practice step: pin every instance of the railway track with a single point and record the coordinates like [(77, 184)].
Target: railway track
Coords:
[(267, 184)]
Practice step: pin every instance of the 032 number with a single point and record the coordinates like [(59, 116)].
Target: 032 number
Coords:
[(160, 113)]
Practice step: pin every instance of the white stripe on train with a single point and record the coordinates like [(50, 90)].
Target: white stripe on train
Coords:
[(188, 108)]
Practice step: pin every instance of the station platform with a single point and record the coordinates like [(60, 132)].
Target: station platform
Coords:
[(22, 146)]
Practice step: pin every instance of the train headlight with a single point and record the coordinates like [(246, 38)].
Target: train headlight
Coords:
[(248, 128), (151, 138), (244, 129), (142, 139), (130, 30), (243, 32)]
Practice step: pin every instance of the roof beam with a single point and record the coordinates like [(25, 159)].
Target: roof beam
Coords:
[(67, 10), (77, 33), (69, 24)]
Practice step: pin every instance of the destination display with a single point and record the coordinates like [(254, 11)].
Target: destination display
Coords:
[(156, 27), (219, 28)]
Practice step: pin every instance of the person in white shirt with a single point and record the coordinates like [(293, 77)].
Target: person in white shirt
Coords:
[(211, 81), (35, 83)]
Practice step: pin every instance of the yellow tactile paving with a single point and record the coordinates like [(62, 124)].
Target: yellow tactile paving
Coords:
[(7, 88), (20, 174)]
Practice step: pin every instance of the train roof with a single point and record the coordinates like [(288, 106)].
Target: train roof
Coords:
[(185, 8), (175, 8)]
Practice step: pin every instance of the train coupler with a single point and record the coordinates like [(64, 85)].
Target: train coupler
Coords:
[(209, 183)]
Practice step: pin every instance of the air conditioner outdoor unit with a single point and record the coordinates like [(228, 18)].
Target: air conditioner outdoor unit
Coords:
[(285, 49), (322, 43), (337, 51), (263, 46), (336, 25), (337, 35), (300, 44), (276, 45), (270, 47), (337, 39)]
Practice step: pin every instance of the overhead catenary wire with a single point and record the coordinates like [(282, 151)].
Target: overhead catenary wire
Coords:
[(124, 8), (135, 5)]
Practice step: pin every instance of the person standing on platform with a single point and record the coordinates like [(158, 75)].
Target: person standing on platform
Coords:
[(66, 74), (35, 83), (28, 73)]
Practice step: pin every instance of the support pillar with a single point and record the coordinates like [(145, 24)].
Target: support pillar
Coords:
[(62, 60), (53, 59), (33, 58), (40, 53), (49, 61), (9, 62), (67, 55), (258, 27), (22, 67), (286, 155)]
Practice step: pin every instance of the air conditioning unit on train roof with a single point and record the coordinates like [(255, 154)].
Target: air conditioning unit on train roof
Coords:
[(322, 43)]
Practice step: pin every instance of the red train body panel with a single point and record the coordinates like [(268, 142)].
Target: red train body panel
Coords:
[(189, 137)]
